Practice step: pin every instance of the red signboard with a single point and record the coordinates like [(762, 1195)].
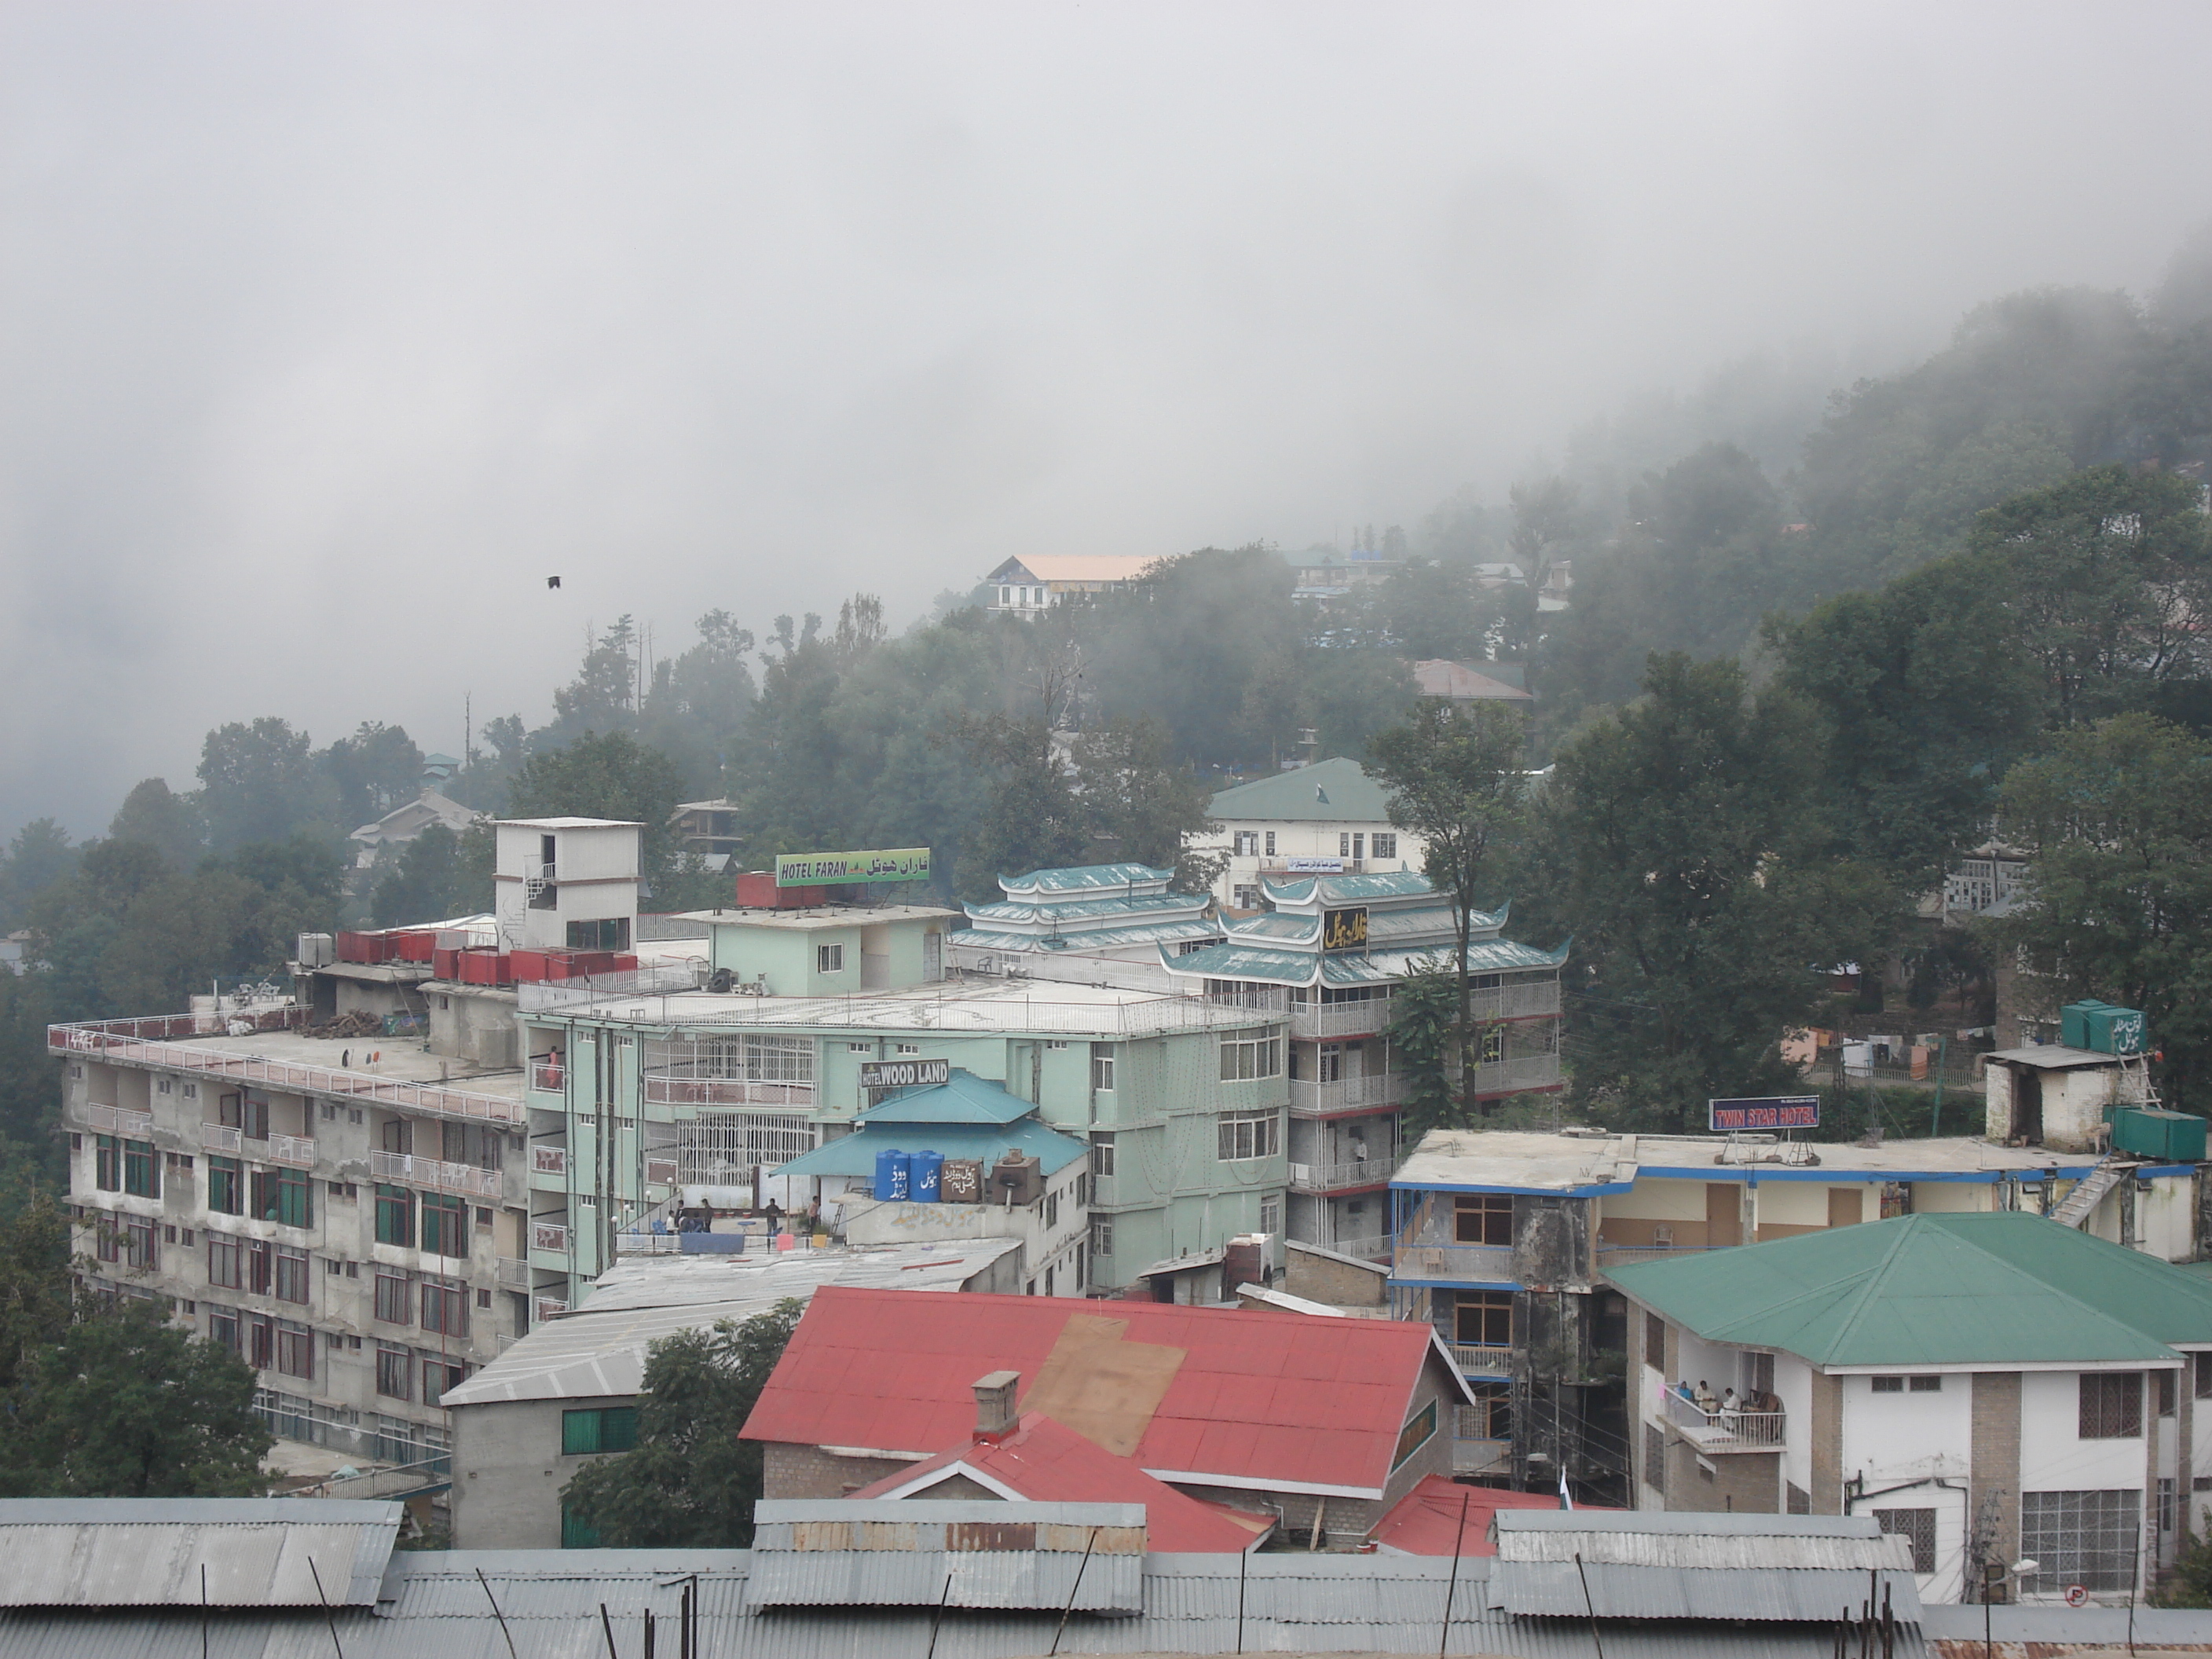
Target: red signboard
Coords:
[(1765, 1112)]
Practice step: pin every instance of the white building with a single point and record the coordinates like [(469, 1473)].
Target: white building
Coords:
[(1329, 818), (1033, 584), (1995, 1387)]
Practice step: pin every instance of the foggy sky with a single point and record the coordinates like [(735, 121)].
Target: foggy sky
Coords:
[(327, 331)]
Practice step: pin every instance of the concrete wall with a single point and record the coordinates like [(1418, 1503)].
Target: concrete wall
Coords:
[(1338, 1284), (1893, 1437), (508, 1471), (2053, 1455), (790, 1471), (1994, 1486), (473, 1022), (1702, 1483)]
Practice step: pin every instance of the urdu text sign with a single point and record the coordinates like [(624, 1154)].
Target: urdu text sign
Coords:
[(1765, 1112), (828, 869)]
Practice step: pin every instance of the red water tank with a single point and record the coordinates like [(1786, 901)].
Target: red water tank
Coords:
[(529, 967), (414, 946), (756, 890), (446, 964)]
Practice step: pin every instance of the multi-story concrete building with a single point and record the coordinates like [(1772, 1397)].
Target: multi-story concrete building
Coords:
[(1991, 1387), (1503, 1241), (1328, 818), (1327, 954)]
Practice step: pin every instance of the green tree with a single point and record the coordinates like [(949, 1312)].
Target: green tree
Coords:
[(2117, 821), (1140, 805), (1035, 819), (260, 782), (168, 823), (603, 697), (691, 1482), (1680, 837), (424, 882), (1453, 775), (377, 769), (1424, 1023), (39, 856)]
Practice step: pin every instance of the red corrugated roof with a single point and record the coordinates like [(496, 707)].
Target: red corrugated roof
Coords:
[(1047, 1462), (1423, 1521), (1254, 1395)]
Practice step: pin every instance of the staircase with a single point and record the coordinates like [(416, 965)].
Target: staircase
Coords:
[(2078, 1205)]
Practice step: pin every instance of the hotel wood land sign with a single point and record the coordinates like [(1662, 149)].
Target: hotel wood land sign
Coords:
[(1765, 1112), (842, 869), (903, 1073), (1344, 930)]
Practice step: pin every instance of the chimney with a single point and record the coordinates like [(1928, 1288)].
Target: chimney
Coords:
[(995, 1415)]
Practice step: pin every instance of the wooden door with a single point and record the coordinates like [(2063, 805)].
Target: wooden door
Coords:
[(1846, 1205), (1723, 1213)]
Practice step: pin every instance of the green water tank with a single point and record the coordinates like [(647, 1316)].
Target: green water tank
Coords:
[(2169, 1136), (2102, 1027)]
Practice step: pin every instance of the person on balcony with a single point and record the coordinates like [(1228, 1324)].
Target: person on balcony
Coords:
[(551, 1078), (1731, 1408), (1704, 1398)]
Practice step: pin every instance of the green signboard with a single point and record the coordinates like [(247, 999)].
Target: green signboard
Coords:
[(837, 869)]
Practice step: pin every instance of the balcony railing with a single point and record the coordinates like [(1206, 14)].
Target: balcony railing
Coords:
[(1476, 1360), (1528, 1001), (665, 1088), (1339, 1178), (1365, 1246), (1623, 1256), (295, 1150), (1339, 1020), (435, 1173), (549, 1160), (1727, 1430), (549, 1236), (514, 1275), (1481, 1456), (1374, 1090), (222, 1138), (1510, 1076), (119, 1121), (547, 1076), (146, 1042), (1484, 1264), (549, 1307)]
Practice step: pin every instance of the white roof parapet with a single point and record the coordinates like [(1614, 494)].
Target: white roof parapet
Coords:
[(153, 1044)]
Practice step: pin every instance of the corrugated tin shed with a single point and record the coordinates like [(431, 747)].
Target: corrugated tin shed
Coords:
[(877, 1553), (1772, 1568), (151, 1551)]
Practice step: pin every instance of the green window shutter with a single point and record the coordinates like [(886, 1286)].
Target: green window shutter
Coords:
[(579, 1433), (576, 1533), (618, 1429)]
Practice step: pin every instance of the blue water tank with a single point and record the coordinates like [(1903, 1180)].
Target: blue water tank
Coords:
[(929, 1170), (893, 1170)]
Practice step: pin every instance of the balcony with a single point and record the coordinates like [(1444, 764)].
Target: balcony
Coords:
[(547, 1307), (1477, 1264), (1477, 1360), (668, 1089), (514, 1275), (120, 1120), (1340, 1177), (1472, 1456), (298, 1151), (1326, 1020), (1367, 1247), (1506, 1076), (549, 1160), (551, 1235), (1374, 1091), (1726, 1431), (435, 1173), (548, 1077), (222, 1138), (1623, 1256)]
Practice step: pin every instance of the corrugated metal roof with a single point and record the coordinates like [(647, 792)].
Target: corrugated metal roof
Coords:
[(956, 1578), (1333, 791), (142, 1553), (1290, 1603), (1045, 909), (1086, 878), (1555, 1589)]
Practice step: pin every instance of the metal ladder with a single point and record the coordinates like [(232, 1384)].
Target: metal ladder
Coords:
[(2076, 1207)]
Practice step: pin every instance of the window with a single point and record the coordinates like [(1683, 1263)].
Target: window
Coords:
[(859, 1049), (139, 1249), (1271, 1214), (1924, 1385), (2085, 1538), (392, 1298), (1493, 1045), (444, 1309), (261, 1342), (611, 934), (2165, 1380), (440, 1374), (106, 1239), (1491, 1417), (2204, 1364), (179, 1163), (1484, 1319), (296, 1350), (254, 1116), (395, 1372), (1102, 1066), (1483, 1218), (1888, 1385), (1242, 1135), (1271, 843), (395, 1215), (905, 1048), (828, 958), (284, 1196), (444, 1224), (484, 1300), (191, 1091), (1419, 1429), (343, 1192), (1918, 1528), (226, 1263), (1102, 1236), (1654, 1342), (1246, 845), (1101, 1155), (1250, 1057), (1344, 844), (1244, 897), (599, 1429), (1386, 844), (141, 1171), (1359, 844), (2111, 1409), (107, 1164), (291, 1275), (260, 1266), (2165, 1504), (222, 1328), (1655, 1457)]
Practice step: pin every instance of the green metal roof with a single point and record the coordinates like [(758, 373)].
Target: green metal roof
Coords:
[(1350, 890), (1085, 878), (2001, 1289), (1260, 963), (855, 1154), (964, 1098), (1327, 792)]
